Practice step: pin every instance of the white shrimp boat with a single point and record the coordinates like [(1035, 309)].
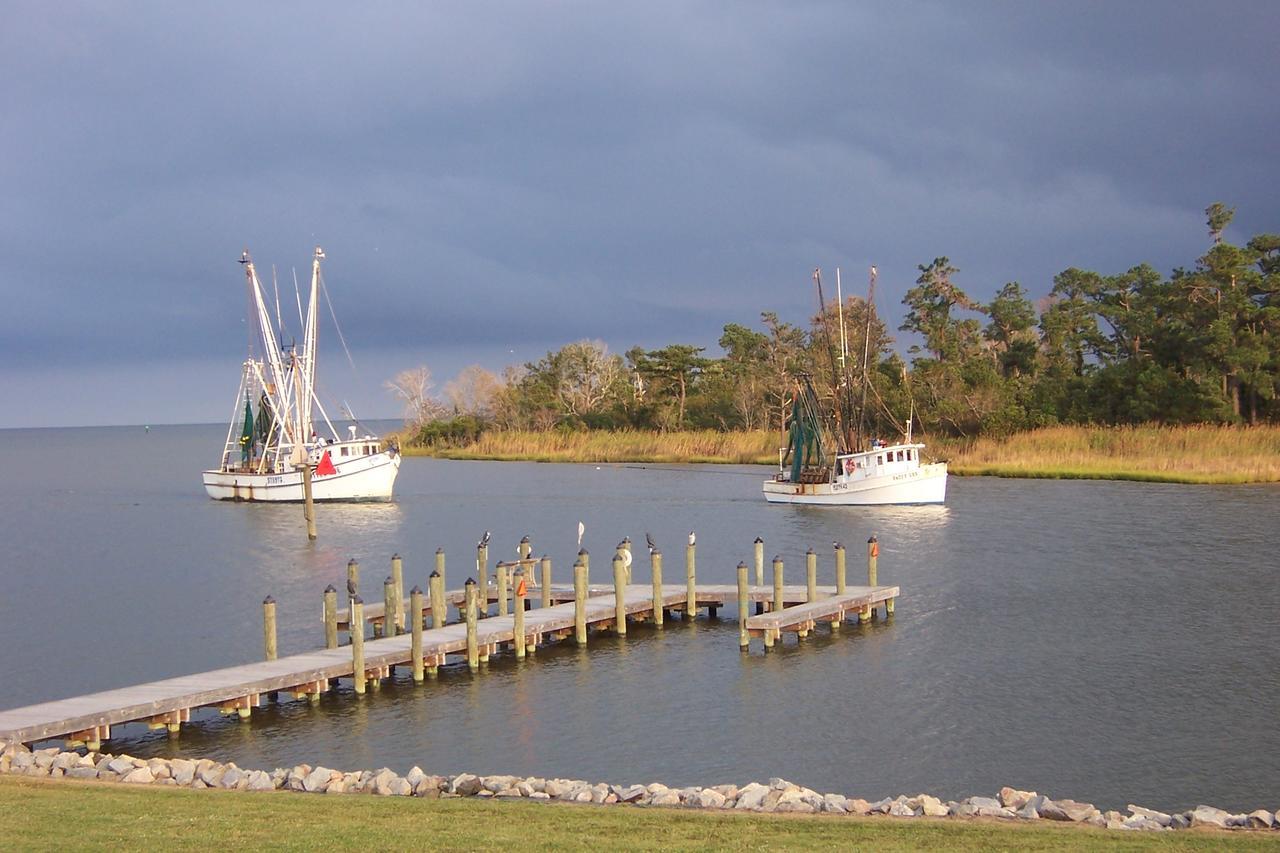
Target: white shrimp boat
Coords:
[(264, 456), (828, 460)]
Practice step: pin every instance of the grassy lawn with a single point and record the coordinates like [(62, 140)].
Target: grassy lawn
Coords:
[(62, 814)]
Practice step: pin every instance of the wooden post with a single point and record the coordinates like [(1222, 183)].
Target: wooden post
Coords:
[(585, 558), (744, 639), (357, 643), (655, 560), (415, 627), (502, 569), (811, 576), (873, 555), (777, 583), (397, 575), (546, 581), (520, 592), (580, 602), (759, 543), (524, 549), (473, 651), (388, 608), (330, 617), (269, 627), (440, 567), (619, 595), (308, 502), (439, 607), (482, 578), (691, 581), (840, 573), (353, 574), (626, 546)]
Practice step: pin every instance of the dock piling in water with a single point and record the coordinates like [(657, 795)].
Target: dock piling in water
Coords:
[(691, 581), (873, 556), (580, 601), (482, 576), (655, 561), (811, 575), (744, 640), (415, 619), (546, 581), (269, 627), (353, 576), (520, 592), (388, 609), (502, 570), (840, 569), (330, 617), (397, 576), (356, 622), (759, 548), (308, 503), (473, 651), (619, 594)]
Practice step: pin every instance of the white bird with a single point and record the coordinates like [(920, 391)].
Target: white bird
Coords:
[(693, 538), (484, 540), (652, 546), (582, 528)]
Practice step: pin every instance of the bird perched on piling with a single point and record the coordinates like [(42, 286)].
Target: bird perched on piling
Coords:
[(351, 587), (484, 540), (582, 528), (649, 540), (693, 538)]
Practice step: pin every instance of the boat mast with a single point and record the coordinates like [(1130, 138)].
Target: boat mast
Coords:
[(866, 359), (842, 440), (271, 347), (309, 352)]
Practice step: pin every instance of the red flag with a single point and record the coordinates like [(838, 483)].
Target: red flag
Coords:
[(522, 590), (325, 466)]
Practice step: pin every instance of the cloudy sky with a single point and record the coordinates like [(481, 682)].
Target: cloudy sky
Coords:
[(491, 181)]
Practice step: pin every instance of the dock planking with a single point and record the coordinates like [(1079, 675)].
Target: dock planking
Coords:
[(800, 619)]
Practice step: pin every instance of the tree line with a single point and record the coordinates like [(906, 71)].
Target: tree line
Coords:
[(1200, 345)]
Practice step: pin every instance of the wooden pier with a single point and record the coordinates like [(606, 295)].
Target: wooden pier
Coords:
[(423, 645)]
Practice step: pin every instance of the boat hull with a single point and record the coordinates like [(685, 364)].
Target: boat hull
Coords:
[(926, 484), (364, 478)]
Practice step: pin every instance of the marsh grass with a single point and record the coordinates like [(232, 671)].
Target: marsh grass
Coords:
[(1182, 454), (71, 815)]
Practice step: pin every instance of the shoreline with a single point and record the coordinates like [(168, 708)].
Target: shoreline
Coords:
[(1195, 455), (776, 797)]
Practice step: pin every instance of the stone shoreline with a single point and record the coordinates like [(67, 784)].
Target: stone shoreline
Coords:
[(777, 796)]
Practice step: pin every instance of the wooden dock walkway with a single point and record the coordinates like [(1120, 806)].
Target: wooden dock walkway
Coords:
[(800, 619)]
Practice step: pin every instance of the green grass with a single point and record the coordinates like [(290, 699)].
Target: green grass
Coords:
[(66, 814)]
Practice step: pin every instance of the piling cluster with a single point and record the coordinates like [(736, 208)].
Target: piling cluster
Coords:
[(775, 796)]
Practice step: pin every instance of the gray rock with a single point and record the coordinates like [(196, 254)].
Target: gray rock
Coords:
[(317, 781), (963, 809), (82, 773), (985, 802), (259, 780), (539, 795), (751, 797), (927, 805), (84, 761), (414, 776), (1261, 819), (858, 806), (599, 793), (835, 804), (729, 792), (337, 786), (1179, 821), (121, 766), (1151, 814), (1208, 816), (138, 776), (1067, 810), (665, 798), (881, 806), (400, 787), (1139, 822), (898, 809), (631, 794), (554, 788), (709, 799), (510, 794), (584, 795), (796, 806), (183, 770), (465, 785), (497, 783), (428, 788), (210, 774), (233, 778), (1029, 811), (64, 760), (160, 768), (21, 761), (381, 783), (1012, 798)]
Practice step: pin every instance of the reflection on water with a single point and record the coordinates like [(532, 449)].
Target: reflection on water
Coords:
[(1096, 640)]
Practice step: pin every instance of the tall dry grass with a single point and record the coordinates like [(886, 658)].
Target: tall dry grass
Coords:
[(1173, 454), (625, 446)]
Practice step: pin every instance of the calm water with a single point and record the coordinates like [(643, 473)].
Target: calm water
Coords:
[(1113, 642)]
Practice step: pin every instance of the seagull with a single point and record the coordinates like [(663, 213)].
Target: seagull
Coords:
[(484, 540), (693, 538), (652, 545), (582, 528), (351, 586)]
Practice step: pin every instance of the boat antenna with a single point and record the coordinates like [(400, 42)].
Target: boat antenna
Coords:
[(245, 261), (844, 341), (336, 327), (297, 295), (866, 356), (842, 439)]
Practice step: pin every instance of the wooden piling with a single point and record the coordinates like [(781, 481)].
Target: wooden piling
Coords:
[(626, 561), (521, 591), (353, 575), (840, 570), (440, 568), (759, 543), (691, 581), (580, 602), (356, 629), (873, 557), (619, 594), (473, 651), (655, 561), (744, 640), (269, 627), (586, 565), (397, 576), (388, 608), (308, 503), (415, 627), (777, 583), (330, 617), (811, 575), (502, 569), (524, 549), (546, 581), (482, 577), (439, 606)]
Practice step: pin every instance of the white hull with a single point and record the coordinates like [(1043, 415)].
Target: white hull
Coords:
[(925, 485), (363, 478)]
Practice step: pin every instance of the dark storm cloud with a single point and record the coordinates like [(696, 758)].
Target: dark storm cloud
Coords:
[(485, 174)]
